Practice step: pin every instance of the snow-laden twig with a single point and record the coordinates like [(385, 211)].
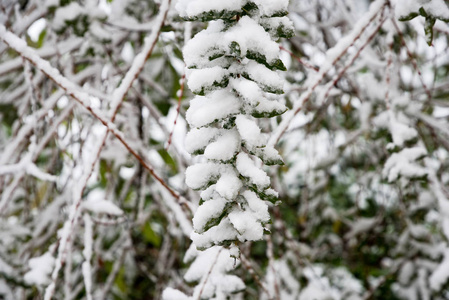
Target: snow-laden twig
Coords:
[(26, 129), (83, 98), (87, 252), (117, 97), (331, 84), (205, 278), (333, 55), (45, 52), (27, 165)]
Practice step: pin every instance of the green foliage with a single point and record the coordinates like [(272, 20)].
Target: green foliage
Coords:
[(213, 15)]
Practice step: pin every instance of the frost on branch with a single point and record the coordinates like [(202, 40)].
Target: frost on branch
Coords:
[(233, 68)]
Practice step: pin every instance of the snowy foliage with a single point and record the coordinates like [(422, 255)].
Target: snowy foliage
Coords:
[(232, 67), (238, 149)]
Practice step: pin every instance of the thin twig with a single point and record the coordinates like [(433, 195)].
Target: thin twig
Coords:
[(178, 108), (206, 278), (302, 62), (247, 264)]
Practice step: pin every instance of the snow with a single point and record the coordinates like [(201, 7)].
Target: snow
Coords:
[(99, 32), (246, 225), (403, 164), (213, 42), (204, 79), (440, 276), (88, 237), (247, 89), (250, 132), (272, 24), (199, 138), (208, 193), (191, 8), (66, 14), (401, 132), (40, 269), (269, 7), (210, 209), (101, 206), (36, 29), (360, 226), (252, 37), (246, 167), (205, 44), (269, 155), (270, 80), (254, 96), (224, 231), (128, 53), (87, 253), (217, 105), (266, 107), (280, 275), (437, 8), (199, 175), (332, 56), (224, 147), (258, 207), (172, 294), (229, 185), (445, 227)]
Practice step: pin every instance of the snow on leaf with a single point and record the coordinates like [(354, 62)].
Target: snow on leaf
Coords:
[(440, 276), (250, 132), (40, 269), (214, 107), (229, 185), (403, 164), (224, 147), (202, 175), (247, 168), (210, 210), (198, 138), (101, 206), (246, 225)]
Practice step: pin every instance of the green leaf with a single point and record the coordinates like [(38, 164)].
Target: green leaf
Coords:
[(168, 159), (250, 8), (234, 48), (267, 197), (150, 236), (285, 32), (267, 114), (276, 64), (104, 169), (215, 221), (409, 17), (213, 15), (215, 86), (265, 88)]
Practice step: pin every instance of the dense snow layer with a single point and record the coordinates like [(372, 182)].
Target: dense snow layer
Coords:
[(40, 269)]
